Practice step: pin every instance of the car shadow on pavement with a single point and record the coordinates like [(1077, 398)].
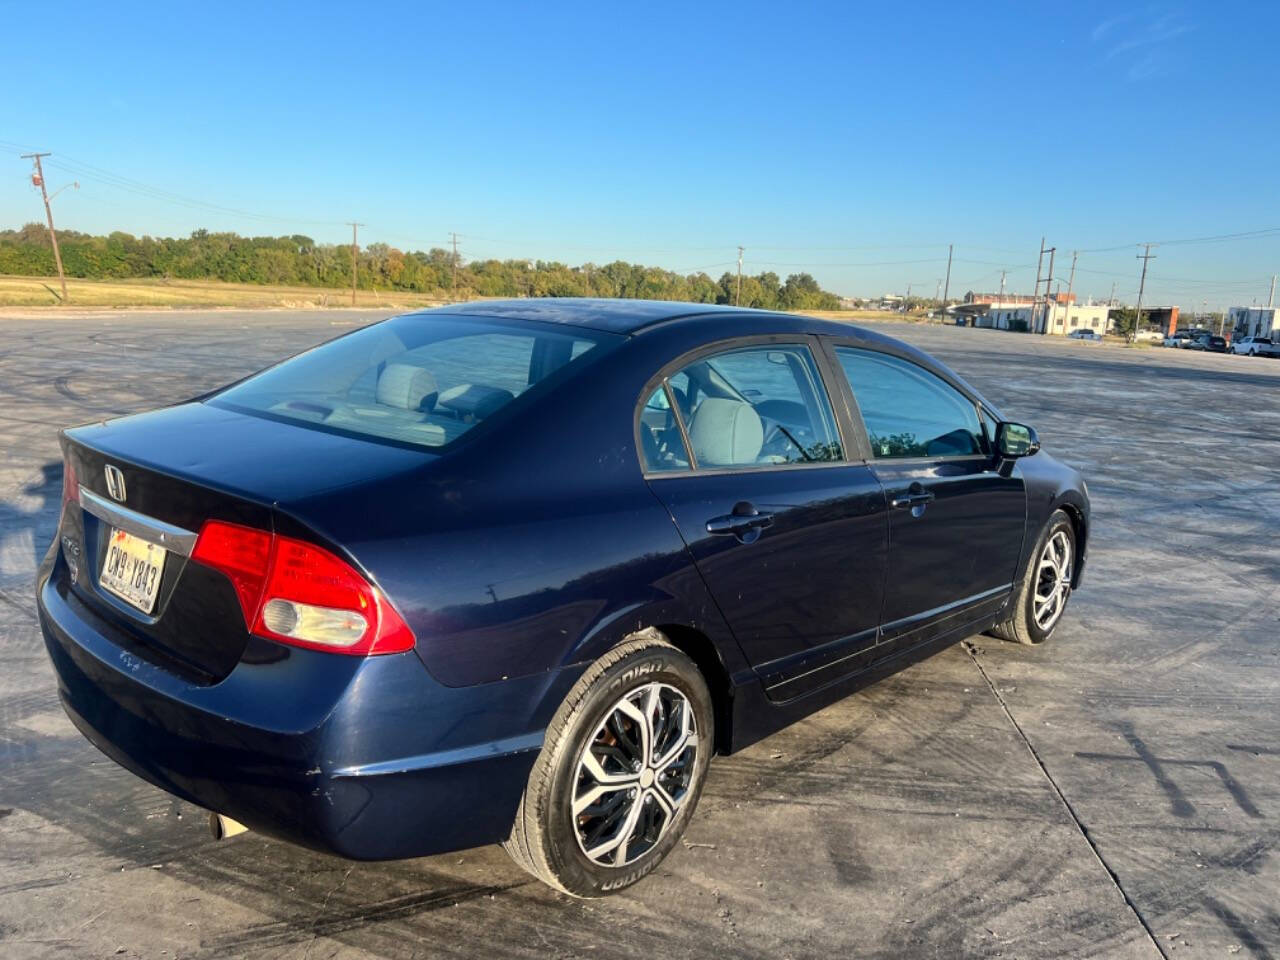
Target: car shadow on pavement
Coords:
[(27, 525)]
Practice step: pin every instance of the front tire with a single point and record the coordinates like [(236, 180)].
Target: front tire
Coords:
[(620, 771), (1042, 594)]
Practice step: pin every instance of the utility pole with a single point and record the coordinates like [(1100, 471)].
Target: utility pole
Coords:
[(453, 283), (1002, 276), (1048, 284), (48, 210), (1111, 300), (354, 227), (1271, 298), (1071, 280), (937, 290), (946, 290), (737, 297), (1035, 293), (1145, 256)]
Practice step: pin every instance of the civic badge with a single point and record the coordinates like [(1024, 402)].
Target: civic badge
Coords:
[(115, 483)]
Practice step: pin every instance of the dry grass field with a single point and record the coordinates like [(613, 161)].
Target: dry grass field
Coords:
[(43, 292)]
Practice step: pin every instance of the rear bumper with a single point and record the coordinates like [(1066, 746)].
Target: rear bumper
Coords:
[(366, 758)]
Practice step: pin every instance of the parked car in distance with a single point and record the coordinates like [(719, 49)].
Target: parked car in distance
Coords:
[(512, 571), (1179, 339), (1256, 347), (1150, 336), (1211, 342), (1089, 336)]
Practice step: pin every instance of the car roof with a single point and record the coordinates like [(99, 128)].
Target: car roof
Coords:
[(630, 316), (613, 316)]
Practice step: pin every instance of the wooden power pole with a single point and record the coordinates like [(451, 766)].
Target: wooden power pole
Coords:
[(354, 249), (946, 288), (48, 210), (737, 297), (453, 282), (1145, 256)]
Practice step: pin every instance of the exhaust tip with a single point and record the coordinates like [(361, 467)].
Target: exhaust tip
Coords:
[(222, 827)]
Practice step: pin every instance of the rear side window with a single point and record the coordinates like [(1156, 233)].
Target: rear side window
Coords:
[(909, 412), (755, 406), (418, 380)]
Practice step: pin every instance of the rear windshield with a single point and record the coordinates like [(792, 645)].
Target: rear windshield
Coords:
[(419, 380)]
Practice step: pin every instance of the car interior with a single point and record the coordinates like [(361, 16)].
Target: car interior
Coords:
[(430, 393), (749, 407)]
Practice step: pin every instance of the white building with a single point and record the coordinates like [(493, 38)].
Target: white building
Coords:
[(1253, 322), (1063, 318)]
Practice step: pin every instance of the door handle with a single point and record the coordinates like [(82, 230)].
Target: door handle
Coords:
[(732, 523), (745, 522), (912, 500)]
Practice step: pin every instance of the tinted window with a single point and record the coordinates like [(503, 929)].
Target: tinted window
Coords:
[(756, 406), (908, 412), (418, 380)]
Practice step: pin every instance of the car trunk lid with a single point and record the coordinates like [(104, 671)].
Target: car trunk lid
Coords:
[(146, 485)]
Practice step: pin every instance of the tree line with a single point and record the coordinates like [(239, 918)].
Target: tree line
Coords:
[(299, 261)]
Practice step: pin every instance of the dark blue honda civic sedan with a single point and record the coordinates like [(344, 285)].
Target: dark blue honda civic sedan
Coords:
[(513, 571)]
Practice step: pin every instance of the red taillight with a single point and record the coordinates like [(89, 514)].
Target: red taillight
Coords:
[(301, 594)]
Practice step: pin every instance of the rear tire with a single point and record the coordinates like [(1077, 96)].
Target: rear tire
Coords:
[(1041, 596), (620, 771)]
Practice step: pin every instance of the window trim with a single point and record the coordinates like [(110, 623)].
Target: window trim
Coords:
[(845, 431), (981, 408)]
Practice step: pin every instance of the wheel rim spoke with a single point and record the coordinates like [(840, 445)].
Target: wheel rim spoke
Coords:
[(1053, 581), (634, 774)]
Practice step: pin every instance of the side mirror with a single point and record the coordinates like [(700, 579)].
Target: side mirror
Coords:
[(1014, 440)]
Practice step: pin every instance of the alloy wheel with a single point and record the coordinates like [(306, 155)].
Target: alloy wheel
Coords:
[(1053, 581), (635, 774)]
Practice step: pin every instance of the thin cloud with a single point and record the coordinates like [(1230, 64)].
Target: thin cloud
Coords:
[(1106, 26), (1141, 39)]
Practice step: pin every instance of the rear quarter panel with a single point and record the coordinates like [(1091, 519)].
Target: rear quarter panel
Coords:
[(535, 546)]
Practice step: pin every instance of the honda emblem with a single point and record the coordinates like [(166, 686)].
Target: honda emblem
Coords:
[(115, 483)]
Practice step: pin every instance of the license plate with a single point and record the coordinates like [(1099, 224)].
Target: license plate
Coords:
[(132, 569)]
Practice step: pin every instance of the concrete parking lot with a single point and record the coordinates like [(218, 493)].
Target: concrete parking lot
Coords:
[(1115, 793)]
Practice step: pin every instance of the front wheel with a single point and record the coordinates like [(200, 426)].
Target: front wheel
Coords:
[(1042, 594), (620, 771)]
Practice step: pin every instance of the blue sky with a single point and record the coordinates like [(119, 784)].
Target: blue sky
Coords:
[(851, 140)]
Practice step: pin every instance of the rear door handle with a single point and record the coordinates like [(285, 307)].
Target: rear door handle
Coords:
[(739, 523), (908, 500), (745, 522)]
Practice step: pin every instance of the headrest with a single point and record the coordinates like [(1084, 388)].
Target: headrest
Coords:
[(725, 432), (407, 387), (475, 401)]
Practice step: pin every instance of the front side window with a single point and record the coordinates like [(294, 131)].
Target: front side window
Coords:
[(755, 406), (909, 412), (416, 379)]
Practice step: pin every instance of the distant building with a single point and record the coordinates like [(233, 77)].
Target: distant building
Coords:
[(1253, 322), (1061, 318), (1009, 298)]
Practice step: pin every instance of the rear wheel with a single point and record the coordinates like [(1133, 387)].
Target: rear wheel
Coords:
[(620, 771), (1045, 587)]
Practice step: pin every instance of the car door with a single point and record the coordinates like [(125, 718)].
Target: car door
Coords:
[(956, 519), (743, 447)]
